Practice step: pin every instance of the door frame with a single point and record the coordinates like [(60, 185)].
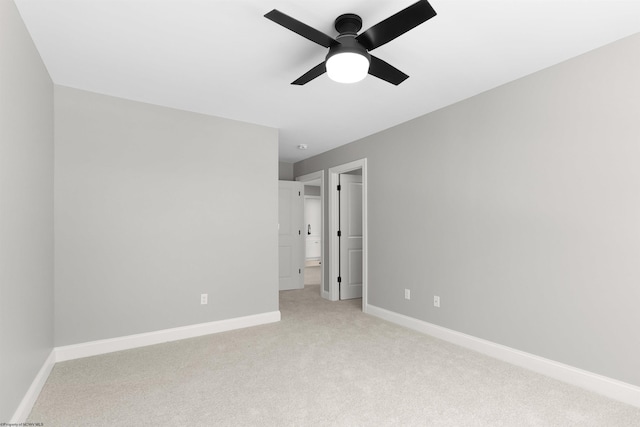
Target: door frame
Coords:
[(334, 220), (314, 176)]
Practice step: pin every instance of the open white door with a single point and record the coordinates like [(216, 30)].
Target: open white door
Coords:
[(350, 235), (291, 238)]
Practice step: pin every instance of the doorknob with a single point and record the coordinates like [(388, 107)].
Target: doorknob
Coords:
[(308, 229)]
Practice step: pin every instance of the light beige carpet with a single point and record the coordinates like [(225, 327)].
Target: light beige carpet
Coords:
[(325, 364), (312, 275)]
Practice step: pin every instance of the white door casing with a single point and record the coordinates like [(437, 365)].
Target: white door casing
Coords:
[(333, 174), (350, 229), (290, 236)]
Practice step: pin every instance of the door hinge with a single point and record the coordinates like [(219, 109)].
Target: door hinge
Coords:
[(299, 271), (299, 194), (339, 279), (339, 187), (339, 233), (299, 232)]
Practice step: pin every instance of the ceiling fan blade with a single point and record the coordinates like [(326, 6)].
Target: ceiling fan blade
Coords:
[(386, 72), (303, 29), (396, 25), (316, 71)]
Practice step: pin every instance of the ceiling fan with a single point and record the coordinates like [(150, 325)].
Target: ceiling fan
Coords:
[(348, 60)]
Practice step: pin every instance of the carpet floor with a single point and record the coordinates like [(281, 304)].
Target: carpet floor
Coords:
[(325, 364)]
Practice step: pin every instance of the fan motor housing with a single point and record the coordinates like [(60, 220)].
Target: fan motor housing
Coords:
[(348, 26), (348, 43)]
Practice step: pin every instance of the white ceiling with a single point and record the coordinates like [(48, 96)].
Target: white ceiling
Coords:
[(225, 59)]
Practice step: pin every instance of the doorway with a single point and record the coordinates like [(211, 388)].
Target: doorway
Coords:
[(358, 167), (314, 184), (313, 235)]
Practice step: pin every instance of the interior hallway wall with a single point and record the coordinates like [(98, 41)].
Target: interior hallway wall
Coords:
[(153, 207), (519, 207), (285, 171), (26, 211)]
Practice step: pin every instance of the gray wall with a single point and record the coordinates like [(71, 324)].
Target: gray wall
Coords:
[(312, 190), (152, 210), (520, 208), (285, 171), (26, 211)]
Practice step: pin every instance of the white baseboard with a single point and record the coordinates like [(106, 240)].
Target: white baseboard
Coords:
[(29, 399), (606, 386), (94, 348)]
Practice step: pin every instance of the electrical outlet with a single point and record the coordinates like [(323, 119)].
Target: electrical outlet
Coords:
[(407, 294), (436, 301), (204, 299)]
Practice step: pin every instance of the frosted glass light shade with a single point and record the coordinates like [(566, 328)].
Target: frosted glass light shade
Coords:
[(347, 67)]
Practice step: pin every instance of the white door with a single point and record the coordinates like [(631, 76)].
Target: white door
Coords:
[(350, 232), (291, 238)]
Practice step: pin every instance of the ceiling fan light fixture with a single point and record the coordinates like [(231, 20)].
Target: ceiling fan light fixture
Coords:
[(347, 67), (348, 61)]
